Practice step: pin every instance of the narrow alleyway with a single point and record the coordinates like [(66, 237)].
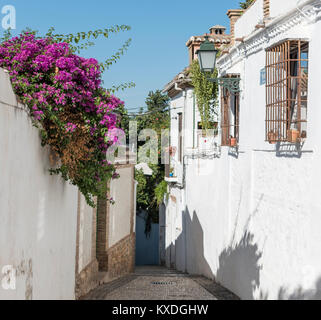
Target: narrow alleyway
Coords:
[(157, 283)]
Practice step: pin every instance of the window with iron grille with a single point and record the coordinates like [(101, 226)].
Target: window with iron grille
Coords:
[(287, 91), (230, 116)]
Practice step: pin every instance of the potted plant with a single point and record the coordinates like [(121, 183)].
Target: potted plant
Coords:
[(212, 130), (171, 151), (272, 137), (233, 142), (293, 135)]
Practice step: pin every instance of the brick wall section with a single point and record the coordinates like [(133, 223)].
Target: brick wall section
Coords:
[(121, 257), (118, 260), (85, 280), (102, 234), (233, 15), (266, 9)]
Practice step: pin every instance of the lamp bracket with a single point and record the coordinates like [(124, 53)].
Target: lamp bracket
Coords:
[(231, 84)]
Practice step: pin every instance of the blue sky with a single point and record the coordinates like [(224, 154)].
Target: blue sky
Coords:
[(159, 32)]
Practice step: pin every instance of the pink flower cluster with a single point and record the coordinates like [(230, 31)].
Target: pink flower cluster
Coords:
[(49, 78), (70, 127)]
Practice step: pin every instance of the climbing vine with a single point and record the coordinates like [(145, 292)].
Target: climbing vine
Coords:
[(206, 94), (76, 116)]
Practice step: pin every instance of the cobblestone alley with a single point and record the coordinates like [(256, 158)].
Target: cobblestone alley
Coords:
[(156, 283)]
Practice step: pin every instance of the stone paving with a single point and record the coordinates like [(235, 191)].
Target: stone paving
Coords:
[(156, 283)]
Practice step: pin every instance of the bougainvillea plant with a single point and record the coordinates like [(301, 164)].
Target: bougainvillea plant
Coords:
[(74, 114)]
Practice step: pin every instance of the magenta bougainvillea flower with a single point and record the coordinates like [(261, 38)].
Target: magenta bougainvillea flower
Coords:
[(70, 127), (53, 81)]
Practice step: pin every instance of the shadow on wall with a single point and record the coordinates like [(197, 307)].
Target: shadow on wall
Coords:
[(239, 268), (162, 234), (196, 262), (301, 294), (286, 150), (239, 264), (186, 251)]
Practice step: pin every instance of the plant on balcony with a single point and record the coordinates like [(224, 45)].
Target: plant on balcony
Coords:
[(161, 191), (206, 95), (67, 103)]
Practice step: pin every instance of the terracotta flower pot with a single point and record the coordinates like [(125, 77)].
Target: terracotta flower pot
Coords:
[(171, 151), (272, 137), (293, 135), (233, 142)]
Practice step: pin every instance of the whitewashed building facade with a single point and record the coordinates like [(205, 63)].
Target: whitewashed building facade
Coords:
[(249, 216), (52, 243)]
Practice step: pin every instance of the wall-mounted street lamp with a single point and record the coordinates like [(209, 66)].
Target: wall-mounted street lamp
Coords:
[(207, 59)]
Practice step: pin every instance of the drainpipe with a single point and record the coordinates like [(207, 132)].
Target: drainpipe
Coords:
[(184, 93), (182, 186), (194, 105), (183, 194), (177, 87)]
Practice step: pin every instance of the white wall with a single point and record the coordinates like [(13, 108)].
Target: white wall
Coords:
[(162, 233), (278, 8), (122, 191), (274, 211), (245, 25), (86, 233), (172, 235), (184, 103), (189, 119), (38, 212), (253, 218), (177, 106)]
